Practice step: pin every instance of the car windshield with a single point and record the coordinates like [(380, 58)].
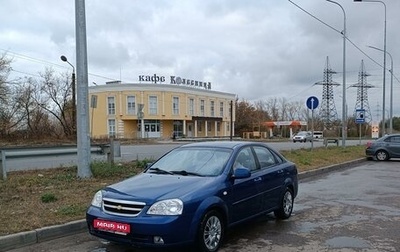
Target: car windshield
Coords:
[(192, 162), (302, 133)]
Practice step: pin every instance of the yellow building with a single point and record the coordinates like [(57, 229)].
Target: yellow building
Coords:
[(149, 110)]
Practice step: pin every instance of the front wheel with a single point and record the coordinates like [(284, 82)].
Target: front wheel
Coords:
[(286, 205), (381, 155), (211, 232)]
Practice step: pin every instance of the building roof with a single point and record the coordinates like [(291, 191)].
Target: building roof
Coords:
[(175, 88)]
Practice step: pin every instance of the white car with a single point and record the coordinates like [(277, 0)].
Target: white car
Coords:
[(318, 135), (303, 136)]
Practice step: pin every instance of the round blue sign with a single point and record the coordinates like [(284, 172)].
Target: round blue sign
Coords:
[(312, 102)]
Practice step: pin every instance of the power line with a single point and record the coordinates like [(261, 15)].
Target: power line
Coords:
[(44, 62), (347, 38)]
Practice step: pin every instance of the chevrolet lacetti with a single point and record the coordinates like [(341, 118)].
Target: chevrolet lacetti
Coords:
[(193, 194)]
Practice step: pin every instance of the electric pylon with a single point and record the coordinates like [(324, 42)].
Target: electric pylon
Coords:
[(362, 93), (327, 112)]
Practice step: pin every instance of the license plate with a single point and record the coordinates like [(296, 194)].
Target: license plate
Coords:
[(110, 226)]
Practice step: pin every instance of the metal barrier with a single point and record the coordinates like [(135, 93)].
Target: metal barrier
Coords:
[(24, 152)]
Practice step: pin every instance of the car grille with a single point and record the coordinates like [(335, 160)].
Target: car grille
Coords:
[(122, 207)]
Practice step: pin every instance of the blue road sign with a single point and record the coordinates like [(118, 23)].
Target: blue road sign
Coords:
[(312, 102), (360, 115)]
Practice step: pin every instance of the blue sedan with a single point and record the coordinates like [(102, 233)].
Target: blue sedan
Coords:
[(194, 193)]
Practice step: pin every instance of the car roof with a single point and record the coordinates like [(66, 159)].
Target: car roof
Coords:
[(223, 144), (389, 135)]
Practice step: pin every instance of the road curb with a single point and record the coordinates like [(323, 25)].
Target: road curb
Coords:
[(23, 239), (308, 174)]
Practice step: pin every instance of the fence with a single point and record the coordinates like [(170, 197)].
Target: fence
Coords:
[(110, 150)]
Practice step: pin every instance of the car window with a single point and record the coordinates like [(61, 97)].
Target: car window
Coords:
[(245, 159), (395, 139), (203, 161), (264, 156)]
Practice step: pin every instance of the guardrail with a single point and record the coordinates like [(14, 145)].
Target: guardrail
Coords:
[(26, 152)]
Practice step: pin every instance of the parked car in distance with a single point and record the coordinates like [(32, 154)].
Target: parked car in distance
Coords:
[(193, 194), (303, 136), (384, 148), (318, 134)]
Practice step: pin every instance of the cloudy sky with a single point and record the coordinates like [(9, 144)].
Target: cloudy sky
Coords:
[(255, 49)]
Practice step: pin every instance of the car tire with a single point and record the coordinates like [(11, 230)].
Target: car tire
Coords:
[(381, 155), (211, 232), (286, 205)]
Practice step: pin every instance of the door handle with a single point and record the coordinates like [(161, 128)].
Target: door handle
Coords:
[(257, 179)]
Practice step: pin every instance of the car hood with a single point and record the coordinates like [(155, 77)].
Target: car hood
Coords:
[(149, 187)]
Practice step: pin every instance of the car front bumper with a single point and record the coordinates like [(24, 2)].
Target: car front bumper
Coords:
[(145, 230)]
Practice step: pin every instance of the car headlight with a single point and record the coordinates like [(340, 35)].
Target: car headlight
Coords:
[(166, 207), (97, 199)]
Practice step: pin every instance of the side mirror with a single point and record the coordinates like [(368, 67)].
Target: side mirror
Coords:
[(241, 173)]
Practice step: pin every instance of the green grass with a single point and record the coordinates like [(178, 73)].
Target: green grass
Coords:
[(35, 199), (309, 159)]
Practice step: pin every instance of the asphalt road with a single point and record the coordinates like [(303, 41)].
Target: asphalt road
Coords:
[(138, 152), (352, 209)]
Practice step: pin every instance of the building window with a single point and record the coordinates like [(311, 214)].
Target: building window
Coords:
[(111, 105), (221, 109), (218, 126), (178, 129), (199, 129), (175, 105), (202, 107), (111, 127), (212, 111), (153, 105), (209, 126), (131, 105), (191, 106)]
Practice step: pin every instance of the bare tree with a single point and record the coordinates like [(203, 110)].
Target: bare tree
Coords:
[(55, 98), (5, 69), (273, 109), (36, 118)]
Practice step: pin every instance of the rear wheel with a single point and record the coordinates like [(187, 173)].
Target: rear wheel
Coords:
[(286, 205), (211, 232), (381, 155)]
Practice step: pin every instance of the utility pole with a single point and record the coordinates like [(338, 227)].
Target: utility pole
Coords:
[(83, 133)]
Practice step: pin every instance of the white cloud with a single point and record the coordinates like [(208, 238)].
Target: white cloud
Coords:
[(256, 49)]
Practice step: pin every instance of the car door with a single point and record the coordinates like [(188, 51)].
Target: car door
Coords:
[(245, 200), (393, 146), (272, 175)]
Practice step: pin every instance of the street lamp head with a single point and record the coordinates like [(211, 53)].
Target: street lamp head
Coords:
[(63, 58)]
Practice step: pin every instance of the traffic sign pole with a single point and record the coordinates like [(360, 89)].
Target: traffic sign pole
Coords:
[(312, 103)]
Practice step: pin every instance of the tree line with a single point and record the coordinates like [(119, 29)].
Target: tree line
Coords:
[(35, 108)]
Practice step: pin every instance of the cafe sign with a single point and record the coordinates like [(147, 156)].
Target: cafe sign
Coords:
[(174, 80)]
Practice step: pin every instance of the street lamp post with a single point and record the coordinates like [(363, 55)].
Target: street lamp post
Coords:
[(384, 63), (344, 110), (391, 89), (63, 58)]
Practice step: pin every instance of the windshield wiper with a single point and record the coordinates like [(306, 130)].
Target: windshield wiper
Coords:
[(158, 170), (186, 173)]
